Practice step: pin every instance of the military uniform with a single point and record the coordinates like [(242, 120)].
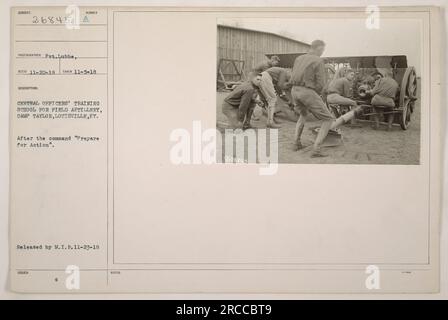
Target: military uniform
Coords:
[(384, 92), (308, 80), (240, 103), (339, 92), (271, 78)]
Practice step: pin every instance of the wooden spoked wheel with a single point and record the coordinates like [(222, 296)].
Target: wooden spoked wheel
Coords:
[(408, 95)]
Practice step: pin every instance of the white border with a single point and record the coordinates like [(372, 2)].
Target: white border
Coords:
[(4, 141)]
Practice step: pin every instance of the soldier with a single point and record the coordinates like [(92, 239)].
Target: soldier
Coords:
[(273, 62), (272, 78), (239, 104), (308, 80), (384, 94), (339, 90)]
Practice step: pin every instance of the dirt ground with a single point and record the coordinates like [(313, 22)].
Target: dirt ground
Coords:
[(361, 145)]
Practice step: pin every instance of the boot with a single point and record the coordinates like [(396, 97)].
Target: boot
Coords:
[(246, 124), (390, 119), (376, 118), (297, 146), (273, 125), (323, 131), (270, 122), (276, 119), (318, 154)]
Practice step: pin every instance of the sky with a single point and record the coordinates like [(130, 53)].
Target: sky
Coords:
[(348, 37)]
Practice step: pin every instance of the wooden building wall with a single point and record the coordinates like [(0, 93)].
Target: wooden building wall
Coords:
[(252, 47)]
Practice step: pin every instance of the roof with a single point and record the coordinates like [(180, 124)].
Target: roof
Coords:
[(287, 60), (264, 32)]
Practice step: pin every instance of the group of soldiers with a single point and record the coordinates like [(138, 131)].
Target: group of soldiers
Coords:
[(306, 82)]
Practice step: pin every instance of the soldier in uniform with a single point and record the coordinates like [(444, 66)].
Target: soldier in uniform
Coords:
[(239, 104), (384, 94), (273, 80), (340, 91), (308, 81), (273, 62)]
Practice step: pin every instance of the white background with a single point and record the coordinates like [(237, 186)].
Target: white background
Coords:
[(4, 138)]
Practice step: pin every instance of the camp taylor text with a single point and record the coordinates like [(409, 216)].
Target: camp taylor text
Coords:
[(200, 147)]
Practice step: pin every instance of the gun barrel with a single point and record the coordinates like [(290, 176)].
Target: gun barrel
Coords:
[(345, 117)]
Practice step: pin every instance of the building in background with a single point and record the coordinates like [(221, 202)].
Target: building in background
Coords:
[(240, 50)]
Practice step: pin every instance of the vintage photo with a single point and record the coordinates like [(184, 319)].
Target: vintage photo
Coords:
[(332, 90)]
